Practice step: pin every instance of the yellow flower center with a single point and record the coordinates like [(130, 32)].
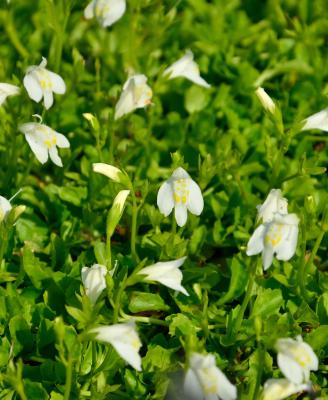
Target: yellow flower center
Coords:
[(50, 139), (301, 357), (44, 80), (101, 10), (180, 191), (274, 235)]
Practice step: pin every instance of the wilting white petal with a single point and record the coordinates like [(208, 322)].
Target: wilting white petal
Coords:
[(125, 340), (265, 100), (94, 281), (165, 201), (33, 88), (255, 243), (317, 121), (279, 389), (187, 68)]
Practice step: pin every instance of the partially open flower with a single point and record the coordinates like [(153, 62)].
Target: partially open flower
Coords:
[(205, 381), (107, 12), (296, 359), (187, 68), (125, 340), (111, 172), (167, 273), (44, 141), (6, 89), (277, 237), (279, 389), (318, 120), (265, 100), (94, 281), (181, 193), (40, 82), (136, 94), (274, 203)]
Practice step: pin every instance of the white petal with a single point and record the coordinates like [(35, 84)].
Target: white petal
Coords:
[(255, 243), (48, 99), (117, 9), (317, 121), (89, 10), (177, 68), (58, 84), (62, 141), (267, 257), (129, 354), (180, 212), (191, 387), (290, 368), (33, 88), (195, 202), (279, 389), (192, 73), (125, 103), (5, 205), (286, 248), (2, 98), (165, 201), (53, 152), (265, 100), (180, 173), (227, 391), (39, 149)]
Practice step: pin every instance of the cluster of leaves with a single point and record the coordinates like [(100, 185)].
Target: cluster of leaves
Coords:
[(227, 144)]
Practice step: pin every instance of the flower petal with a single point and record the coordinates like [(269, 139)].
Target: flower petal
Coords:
[(195, 202), (290, 368), (286, 248), (58, 84), (180, 212), (33, 88), (165, 201), (62, 141), (255, 243), (116, 12), (38, 148), (89, 10), (48, 99), (267, 257), (317, 121), (53, 152), (192, 388)]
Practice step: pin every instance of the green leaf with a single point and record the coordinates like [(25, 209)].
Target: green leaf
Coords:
[(322, 308), (318, 339), (196, 99), (21, 334), (181, 325), (157, 357), (100, 252), (34, 390), (268, 301), (141, 301), (239, 277), (34, 268)]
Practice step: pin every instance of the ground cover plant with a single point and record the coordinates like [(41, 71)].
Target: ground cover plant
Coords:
[(163, 203)]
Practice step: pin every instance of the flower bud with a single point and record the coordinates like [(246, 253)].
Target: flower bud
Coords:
[(265, 100), (94, 281)]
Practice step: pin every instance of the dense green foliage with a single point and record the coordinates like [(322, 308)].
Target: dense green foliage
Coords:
[(229, 145)]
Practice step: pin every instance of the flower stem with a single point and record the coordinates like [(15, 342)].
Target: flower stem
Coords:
[(68, 383), (108, 252), (134, 227)]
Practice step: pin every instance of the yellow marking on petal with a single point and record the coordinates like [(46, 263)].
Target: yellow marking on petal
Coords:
[(274, 235), (177, 198)]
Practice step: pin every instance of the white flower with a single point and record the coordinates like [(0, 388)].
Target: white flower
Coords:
[(182, 193), (187, 68), (6, 89), (277, 237), (94, 281), (274, 203), (265, 100), (40, 82), (44, 141), (279, 389), (205, 381), (111, 172), (296, 359), (167, 273), (317, 121), (136, 94), (5, 207), (125, 340), (106, 11)]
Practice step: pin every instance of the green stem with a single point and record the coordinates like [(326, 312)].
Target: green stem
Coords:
[(151, 320), (117, 304), (68, 383), (134, 227), (301, 276), (261, 361), (108, 252), (111, 131), (13, 36), (246, 299)]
